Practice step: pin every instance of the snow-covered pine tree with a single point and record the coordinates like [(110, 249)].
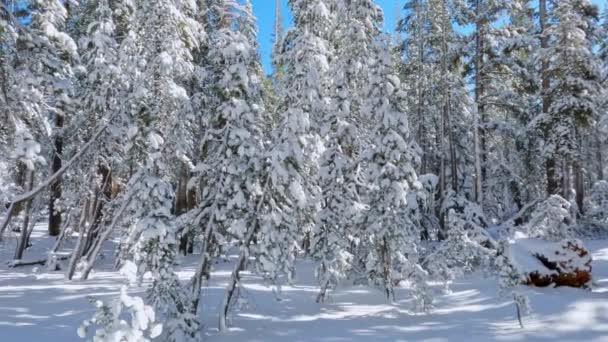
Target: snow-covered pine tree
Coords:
[(482, 15), (112, 324), (305, 57), (88, 187), (391, 239), (596, 205), (462, 251), (345, 129), (230, 169), (277, 40), (46, 65), (422, 74), (159, 114), (574, 76), (509, 278), (519, 177), (551, 219), (8, 36), (433, 68), (153, 249)]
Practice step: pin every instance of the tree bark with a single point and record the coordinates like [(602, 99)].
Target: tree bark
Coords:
[(197, 279), (599, 156), (479, 132), (26, 222), (550, 162), (55, 194)]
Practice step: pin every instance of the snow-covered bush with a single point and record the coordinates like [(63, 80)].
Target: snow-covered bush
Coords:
[(463, 251), (470, 214), (509, 278), (551, 220), (125, 319), (422, 204), (27, 149), (596, 205)]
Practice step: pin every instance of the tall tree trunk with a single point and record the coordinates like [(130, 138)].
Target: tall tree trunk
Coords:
[(54, 215), (579, 186), (181, 204), (550, 163), (599, 155), (479, 133), (445, 99), (566, 178), (420, 94), (478, 173)]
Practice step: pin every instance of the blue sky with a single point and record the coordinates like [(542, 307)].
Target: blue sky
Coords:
[(264, 11)]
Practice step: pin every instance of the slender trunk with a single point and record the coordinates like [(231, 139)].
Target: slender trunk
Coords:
[(550, 163), (445, 97), (101, 196), (479, 131), (55, 194), (518, 310), (181, 204), (92, 255), (386, 269), (26, 222), (51, 255), (197, 279), (599, 156), (453, 160), (579, 186), (478, 180), (565, 176), (235, 280), (77, 252), (420, 94), (29, 194), (240, 265)]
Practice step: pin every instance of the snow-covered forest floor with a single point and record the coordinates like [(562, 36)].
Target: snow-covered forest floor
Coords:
[(38, 305)]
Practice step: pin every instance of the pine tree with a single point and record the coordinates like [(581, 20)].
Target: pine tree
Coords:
[(346, 132), (574, 76), (392, 253), (433, 69), (482, 14), (111, 325), (159, 112), (98, 93), (551, 220), (53, 53), (233, 143), (515, 97)]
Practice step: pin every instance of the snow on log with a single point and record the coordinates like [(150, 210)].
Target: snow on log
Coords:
[(544, 263)]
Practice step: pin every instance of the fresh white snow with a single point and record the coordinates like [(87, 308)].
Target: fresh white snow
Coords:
[(37, 305)]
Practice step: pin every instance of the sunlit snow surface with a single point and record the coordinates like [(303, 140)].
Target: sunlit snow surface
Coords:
[(39, 306)]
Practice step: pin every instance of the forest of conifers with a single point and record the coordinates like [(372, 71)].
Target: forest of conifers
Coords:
[(383, 158)]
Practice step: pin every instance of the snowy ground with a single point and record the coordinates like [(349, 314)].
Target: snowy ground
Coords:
[(39, 306)]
